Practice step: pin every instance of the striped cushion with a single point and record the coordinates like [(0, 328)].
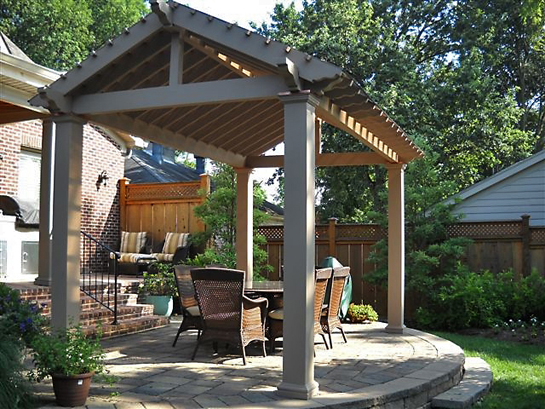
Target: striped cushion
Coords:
[(277, 314), (175, 240), (163, 256), (132, 242), (134, 257)]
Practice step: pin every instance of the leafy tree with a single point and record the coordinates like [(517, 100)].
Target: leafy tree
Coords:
[(219, 212), (60, 33)]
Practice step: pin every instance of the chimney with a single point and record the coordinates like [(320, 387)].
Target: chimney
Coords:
[(157, 153), (200, 164)]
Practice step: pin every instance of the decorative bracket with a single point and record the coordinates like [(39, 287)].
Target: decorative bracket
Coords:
[(163, 11)]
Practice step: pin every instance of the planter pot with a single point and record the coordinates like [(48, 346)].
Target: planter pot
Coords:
[(71, 390), (162, 304)]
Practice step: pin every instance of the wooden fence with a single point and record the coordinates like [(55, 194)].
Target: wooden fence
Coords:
[(159, 208), (496, 246)]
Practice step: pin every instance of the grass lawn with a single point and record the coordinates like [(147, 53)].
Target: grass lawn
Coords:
[(519, 370)]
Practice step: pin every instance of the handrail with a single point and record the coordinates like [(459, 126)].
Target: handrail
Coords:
[(98, 265)]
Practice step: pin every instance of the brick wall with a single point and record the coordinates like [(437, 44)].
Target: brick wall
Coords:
[(100, 204)]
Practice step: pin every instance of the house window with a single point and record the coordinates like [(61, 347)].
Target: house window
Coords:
[(29, 177)]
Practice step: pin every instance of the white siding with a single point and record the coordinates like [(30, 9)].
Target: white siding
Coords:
[(522, 193)]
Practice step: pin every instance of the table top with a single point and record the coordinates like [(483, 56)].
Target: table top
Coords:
[(265, 287)]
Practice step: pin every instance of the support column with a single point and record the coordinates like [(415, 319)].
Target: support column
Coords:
[(245, 223), (396, 248), (299, 235), (65, 249), (46, 202)]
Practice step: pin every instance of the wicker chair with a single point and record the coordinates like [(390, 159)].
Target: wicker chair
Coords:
[(191, 317), (330, 317), (227, 314), (276, 317)]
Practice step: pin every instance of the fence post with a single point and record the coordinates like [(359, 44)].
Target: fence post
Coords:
[(123, 182), (332, 234), (205, 190), (526, 257)]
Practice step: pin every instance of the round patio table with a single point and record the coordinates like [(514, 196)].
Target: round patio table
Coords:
[(272, 290)]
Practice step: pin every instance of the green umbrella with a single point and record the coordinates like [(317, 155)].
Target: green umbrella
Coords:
[(347, 291)]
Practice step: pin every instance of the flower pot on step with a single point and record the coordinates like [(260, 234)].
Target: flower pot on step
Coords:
[(162, 304), (72, 390)]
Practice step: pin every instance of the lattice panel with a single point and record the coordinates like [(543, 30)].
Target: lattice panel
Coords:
[(494, 229), (537, 235), (271, 232), (371, 232), (322, 232), (165, 191)]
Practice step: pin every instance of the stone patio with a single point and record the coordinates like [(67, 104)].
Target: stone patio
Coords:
[(374, 369)]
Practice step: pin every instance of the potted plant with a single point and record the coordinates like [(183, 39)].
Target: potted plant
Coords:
[(361, 313), (71, 359), (159, 287)]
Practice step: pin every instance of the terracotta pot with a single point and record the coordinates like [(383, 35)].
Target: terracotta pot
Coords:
[(72, 390)]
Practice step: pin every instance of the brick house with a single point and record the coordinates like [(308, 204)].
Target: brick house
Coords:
[(21, 130)]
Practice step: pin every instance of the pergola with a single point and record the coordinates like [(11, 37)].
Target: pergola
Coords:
[(193, 82)]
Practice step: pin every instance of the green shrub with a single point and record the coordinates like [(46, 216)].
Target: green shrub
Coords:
[(159, 280), (480, 300), (14, 387), (361, 312)]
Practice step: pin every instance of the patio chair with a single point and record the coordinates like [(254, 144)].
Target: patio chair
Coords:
[(330, 316), (191, 317), (276, 317), (227, 314)]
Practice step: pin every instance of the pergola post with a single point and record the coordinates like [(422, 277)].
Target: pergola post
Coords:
[(46, 202), (396, 248), (299, 162), (65, 246), (245, 222)]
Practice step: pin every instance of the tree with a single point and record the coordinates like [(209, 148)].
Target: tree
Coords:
[(219, 212), (60, 33)]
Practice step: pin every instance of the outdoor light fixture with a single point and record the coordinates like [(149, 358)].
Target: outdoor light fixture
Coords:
[(102, 179)]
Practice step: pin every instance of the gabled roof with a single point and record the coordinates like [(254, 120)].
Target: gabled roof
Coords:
[(141, 167), (498, 177), (190, 81)]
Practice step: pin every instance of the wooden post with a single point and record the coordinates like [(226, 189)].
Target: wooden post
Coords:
[(332, 233), (205, 191), (526, 257), (123, 182)]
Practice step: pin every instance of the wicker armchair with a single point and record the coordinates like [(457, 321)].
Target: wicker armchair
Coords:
[(276, 317), (191, 317), (227, 315), (330, 317)]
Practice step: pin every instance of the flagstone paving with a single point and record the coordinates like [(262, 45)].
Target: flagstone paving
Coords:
[(374, 369)]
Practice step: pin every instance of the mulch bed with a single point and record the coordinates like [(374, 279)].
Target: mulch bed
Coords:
[(520, 335)]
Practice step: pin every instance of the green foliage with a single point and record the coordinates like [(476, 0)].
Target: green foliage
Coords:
[(67, 352), (159, 280), (22, 319), (361, 312), (468, 299), (218, 213), (14, 388), (59, 33)]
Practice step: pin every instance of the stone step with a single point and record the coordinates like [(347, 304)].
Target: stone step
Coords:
[(475, 384), (124, 312)]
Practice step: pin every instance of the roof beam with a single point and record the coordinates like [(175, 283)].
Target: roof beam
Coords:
[(212, 92), (334, 115), (322, 160), (168, 138)]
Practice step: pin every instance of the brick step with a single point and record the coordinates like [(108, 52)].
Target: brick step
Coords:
[(473, 386), (124, 312), (130, 326), (88, 303)]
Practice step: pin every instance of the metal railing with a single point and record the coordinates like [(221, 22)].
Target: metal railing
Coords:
[(98, 272)]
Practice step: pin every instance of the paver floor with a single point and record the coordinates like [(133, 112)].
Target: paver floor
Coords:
[(373, 366)]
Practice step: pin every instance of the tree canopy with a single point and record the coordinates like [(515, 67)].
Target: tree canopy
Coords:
[(464, 79), (60, 33)]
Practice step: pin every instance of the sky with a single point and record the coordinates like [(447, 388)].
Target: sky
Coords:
[(242, 12), (239, 11)]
